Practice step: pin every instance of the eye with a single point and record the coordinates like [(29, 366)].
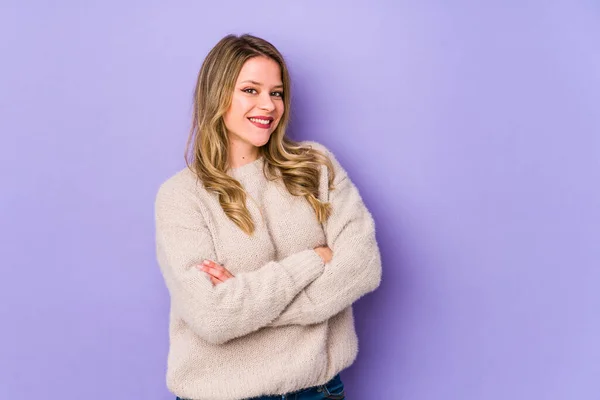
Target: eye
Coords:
[(249, 90), (277, 94)]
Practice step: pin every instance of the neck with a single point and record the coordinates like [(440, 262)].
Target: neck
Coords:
[(241, 154)]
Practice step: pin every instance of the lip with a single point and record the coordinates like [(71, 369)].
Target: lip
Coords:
[(270, 119), (268, 125)]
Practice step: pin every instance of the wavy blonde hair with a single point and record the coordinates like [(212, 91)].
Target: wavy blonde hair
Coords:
[(207, 147)]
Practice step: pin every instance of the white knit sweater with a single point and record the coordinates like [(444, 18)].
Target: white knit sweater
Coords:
[(284, 322)]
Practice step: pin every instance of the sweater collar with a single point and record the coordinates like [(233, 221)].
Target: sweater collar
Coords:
[(252, 168)]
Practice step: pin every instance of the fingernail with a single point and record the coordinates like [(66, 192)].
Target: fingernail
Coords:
[(206, 262)]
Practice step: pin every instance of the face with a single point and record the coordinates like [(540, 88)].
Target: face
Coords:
[(257, 103)]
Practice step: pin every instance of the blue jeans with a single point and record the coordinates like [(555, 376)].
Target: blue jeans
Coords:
[(333, 390)]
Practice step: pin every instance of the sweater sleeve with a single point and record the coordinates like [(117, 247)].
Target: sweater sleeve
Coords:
[(355, 268), (237, 306)]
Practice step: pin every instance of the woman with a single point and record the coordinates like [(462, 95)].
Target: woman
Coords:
[(264, 243)]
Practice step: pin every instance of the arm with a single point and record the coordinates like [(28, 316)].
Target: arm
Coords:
[(236, 307), (355, 268)]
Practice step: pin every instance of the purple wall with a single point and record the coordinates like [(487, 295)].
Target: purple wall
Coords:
[(473, 132)]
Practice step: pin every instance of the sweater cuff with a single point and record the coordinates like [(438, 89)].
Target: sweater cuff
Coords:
[(304, 266)]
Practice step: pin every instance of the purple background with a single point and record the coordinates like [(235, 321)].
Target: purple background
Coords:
[(472, 130)]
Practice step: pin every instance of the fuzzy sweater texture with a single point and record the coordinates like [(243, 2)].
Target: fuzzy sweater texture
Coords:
[(285, 321)]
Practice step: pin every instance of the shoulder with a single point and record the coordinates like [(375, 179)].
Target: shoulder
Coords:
[(179, 188), (323, 149), (316, 145), (339, 171)]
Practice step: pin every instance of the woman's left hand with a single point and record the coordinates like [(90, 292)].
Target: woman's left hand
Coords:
[(217, 273)]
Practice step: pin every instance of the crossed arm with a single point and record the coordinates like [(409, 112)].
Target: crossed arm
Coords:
[(300, 289), (353, 270), (219, 274), (235, 307)]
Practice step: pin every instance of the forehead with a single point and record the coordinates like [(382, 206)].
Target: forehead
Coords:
[(261, 69)]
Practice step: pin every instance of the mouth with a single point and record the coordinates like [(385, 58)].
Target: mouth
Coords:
[(262, 122)]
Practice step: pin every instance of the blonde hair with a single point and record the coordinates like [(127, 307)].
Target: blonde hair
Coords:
[(207, 147)]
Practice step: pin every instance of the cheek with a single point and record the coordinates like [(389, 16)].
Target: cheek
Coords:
[(239, 107), (243, 105)]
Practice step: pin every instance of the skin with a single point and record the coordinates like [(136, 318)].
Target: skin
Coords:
[(258, 92)]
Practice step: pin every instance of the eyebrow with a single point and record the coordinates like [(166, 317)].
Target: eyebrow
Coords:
[(260, 84)]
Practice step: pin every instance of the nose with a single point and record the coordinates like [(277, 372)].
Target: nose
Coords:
[(266, 103)]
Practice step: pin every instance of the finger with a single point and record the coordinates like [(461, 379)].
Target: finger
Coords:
[(216, 272), (222, 270), (227, 273), (211, 264), (212, 277), (207, 266)]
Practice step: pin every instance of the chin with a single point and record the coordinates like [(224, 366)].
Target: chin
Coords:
[(259, 142)]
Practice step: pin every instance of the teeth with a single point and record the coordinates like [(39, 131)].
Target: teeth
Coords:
[(260, 121)]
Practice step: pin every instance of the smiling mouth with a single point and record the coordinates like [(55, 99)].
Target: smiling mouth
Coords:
[(261, 122)]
